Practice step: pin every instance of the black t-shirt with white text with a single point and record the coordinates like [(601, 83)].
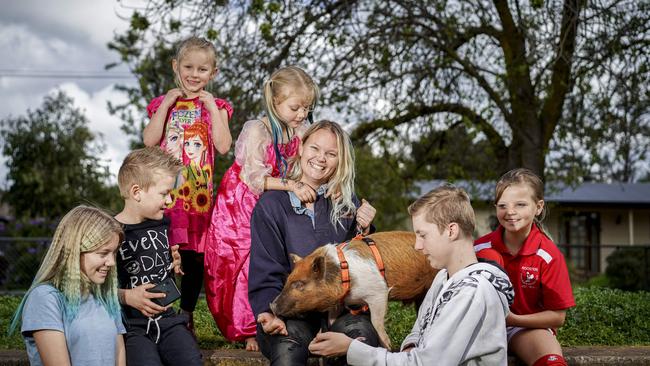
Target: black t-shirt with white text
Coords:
[(144, 255)]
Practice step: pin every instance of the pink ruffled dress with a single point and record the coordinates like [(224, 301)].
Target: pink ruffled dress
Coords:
[(187, 135), (228, 248)]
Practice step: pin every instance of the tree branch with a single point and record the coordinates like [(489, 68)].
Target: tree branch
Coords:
[(561, 81), (414, 111)]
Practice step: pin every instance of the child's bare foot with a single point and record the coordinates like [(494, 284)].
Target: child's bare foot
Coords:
[(251, 345)]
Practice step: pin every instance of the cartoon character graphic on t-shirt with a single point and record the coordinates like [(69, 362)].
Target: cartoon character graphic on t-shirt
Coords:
[(174, 141), (196, 143)]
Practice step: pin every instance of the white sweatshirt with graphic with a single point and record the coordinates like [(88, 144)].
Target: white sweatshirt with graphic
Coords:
[(461, 322)]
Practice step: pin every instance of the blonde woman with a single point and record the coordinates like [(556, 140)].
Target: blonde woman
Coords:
[(282, 224), (71, 314)]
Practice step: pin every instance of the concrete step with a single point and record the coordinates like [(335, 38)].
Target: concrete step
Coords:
[(582, 356)]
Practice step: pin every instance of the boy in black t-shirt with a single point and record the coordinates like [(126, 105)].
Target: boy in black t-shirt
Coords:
[(156, 335)]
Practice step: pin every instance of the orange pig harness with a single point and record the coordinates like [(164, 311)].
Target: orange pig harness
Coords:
[(345, 268)]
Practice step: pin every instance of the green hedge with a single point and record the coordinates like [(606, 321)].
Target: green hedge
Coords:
[(602, 317), (605, 316), (627, 269)]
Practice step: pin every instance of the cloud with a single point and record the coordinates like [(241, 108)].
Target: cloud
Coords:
[(102, 122), (70, 36), (79, 21)]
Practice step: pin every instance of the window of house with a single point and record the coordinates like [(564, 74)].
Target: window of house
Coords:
[(580, 241)]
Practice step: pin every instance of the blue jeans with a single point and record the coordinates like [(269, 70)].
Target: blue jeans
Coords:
[(293, 349)]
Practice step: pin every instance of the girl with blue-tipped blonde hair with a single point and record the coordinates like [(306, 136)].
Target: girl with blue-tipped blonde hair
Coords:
[(71, 315)]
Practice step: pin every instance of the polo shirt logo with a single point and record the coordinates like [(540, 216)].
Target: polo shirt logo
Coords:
[(529, 276)]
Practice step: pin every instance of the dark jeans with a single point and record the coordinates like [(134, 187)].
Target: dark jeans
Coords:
[(293, 349), (192, 280), (175, 346)]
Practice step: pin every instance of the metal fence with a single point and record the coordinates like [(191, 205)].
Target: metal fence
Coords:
[(21, 257), (19, 261)]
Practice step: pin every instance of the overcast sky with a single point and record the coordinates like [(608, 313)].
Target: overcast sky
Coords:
[(63, 37)]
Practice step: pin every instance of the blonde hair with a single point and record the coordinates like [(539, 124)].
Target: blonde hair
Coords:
[(84, 229), (342, 180), (282, 84), (526, 177), (444, 205), (140, 166), (193, 43)]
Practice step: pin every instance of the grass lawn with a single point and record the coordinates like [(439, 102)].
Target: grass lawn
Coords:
[(602, 317)]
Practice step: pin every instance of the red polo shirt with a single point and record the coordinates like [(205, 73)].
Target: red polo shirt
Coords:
[(538, 272)]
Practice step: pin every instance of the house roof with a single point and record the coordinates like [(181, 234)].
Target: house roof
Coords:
[(637, 194)]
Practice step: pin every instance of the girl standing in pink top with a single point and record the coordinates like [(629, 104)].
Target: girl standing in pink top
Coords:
[(189, 123), (262, 152)]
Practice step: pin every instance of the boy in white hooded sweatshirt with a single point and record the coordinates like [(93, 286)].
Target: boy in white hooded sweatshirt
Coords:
[(462, 318)]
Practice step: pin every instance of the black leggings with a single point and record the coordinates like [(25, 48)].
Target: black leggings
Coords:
[(192, 280), (293, 349)]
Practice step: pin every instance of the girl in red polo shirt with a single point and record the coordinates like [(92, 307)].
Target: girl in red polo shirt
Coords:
[(536, 268)]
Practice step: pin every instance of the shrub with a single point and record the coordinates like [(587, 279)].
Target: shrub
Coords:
[(8, 305), (605, 316), (627, 269)]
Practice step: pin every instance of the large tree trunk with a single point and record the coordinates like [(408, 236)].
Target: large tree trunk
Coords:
[(532, 122), (527, 150)]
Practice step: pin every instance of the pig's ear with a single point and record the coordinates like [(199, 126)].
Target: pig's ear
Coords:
[(295, 258), (318, 266)]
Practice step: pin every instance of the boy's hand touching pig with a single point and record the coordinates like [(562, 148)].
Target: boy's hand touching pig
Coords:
[(330, 344), (272, 324)]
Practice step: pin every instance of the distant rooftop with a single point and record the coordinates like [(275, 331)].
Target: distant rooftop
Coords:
[(637, 194)]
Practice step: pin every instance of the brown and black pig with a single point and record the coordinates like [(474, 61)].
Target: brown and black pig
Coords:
[(315, 282)]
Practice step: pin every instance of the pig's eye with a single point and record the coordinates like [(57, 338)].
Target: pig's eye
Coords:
[(298, 285)]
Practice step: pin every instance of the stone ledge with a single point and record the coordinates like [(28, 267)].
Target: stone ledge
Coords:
[(576, 356)]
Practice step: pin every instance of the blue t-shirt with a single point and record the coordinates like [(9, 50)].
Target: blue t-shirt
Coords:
[(91, 337)]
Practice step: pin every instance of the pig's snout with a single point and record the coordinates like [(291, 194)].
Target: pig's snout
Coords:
[(283, 306)]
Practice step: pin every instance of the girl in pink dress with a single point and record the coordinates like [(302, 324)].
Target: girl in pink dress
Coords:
[(262, 152), (190, 124)]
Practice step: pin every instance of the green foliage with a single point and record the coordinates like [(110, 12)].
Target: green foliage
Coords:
[(139, 22), (627, 269), (8, 306), (607, 317), (399, 321), (598, 281), (207, 333), (379, 181), (212, 34), (53, 160), (451, 154)]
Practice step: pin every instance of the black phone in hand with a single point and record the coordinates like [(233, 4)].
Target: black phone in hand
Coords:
[(167, 287)]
